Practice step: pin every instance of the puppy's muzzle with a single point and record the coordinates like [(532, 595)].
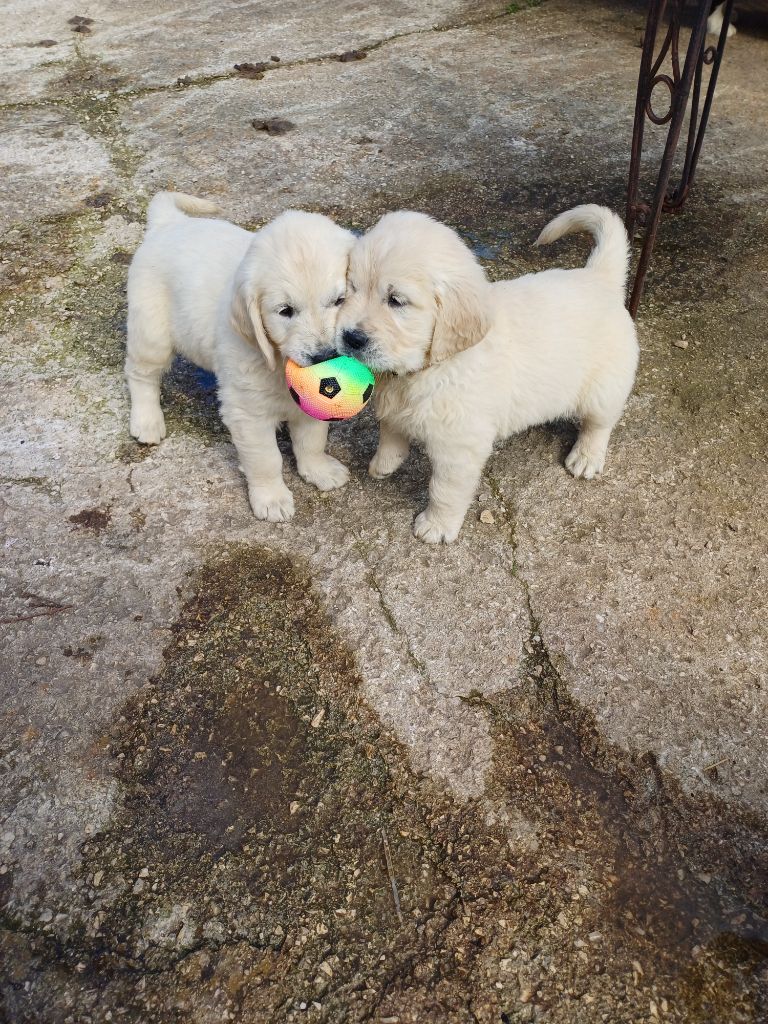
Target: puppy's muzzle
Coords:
[(322, 355), (355, 340)]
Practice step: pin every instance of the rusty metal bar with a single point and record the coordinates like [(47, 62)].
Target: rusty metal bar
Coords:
[(634, 213), (712, 55), (679, 85)]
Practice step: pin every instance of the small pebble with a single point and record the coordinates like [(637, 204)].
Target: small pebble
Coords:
[(486, 516), (680, 342)]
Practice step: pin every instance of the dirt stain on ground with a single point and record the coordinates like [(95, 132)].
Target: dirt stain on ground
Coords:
[(245, 875), (96, 519)]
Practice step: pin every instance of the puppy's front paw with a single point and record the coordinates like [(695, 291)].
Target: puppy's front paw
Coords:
[(384, 463), (431, 530), (325, 472), (275, 504), (582, 462), (148, 427)]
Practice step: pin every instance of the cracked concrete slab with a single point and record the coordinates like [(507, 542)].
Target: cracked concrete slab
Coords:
[(558, 721), (364, 124), (51, 165), (155, 44)]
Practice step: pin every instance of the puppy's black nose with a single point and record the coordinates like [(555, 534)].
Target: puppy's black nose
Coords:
[(323, 354), (356, 340)]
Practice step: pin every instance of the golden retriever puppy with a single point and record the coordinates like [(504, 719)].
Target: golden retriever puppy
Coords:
[(238, 303), (465, 362)]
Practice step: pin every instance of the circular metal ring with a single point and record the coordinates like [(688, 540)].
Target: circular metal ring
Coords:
[(709, 55), (649, 106)]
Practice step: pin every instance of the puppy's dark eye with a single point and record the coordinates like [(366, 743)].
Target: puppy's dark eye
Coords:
[(395, 302), (286, 311), (340, 300)]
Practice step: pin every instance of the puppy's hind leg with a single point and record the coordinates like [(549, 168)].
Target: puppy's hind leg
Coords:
[(602, 405), (309, 437), (149, 353), (587, 457)]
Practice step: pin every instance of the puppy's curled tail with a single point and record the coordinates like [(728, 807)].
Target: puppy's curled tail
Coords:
[(610, 257), (167, 206)]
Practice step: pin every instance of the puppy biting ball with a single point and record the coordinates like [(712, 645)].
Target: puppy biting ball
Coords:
[(336, 389)]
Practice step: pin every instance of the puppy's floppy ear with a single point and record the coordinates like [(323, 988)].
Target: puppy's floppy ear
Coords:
[(462, 318), (245, 317)]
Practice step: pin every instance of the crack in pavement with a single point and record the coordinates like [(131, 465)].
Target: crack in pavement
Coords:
[(203, 81), (539, 649), (389, 617)]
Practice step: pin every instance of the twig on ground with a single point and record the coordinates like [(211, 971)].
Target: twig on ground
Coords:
[(36, 615), (391, 873)]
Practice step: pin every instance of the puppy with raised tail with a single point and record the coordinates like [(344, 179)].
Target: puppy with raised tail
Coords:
[(238, 303), (465, 362)]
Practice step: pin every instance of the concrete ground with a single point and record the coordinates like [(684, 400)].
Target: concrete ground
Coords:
[(321, 771)]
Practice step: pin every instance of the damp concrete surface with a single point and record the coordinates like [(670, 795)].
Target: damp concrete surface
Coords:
[(320, 771)]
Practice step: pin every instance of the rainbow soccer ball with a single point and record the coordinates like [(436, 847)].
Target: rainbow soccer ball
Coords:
[(335, 389)]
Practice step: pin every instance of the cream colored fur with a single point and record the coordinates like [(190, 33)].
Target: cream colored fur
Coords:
[(465, 362), (220, 295), (715, 22)]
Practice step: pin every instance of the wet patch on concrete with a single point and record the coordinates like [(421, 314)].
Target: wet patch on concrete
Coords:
[(245, 874), (659, 883)]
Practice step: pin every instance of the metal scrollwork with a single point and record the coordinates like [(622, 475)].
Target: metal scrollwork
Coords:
[(672, 21)]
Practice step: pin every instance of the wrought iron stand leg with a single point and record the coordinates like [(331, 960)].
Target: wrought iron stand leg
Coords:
[(710, 55), (679, 87), (634, 213)]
